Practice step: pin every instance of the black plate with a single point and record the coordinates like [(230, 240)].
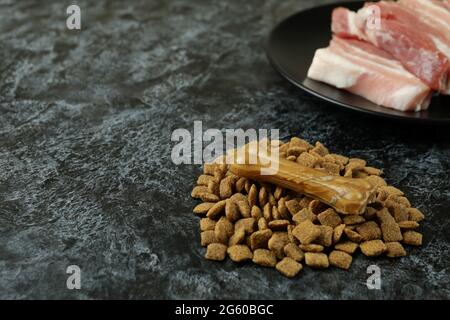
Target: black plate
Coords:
[(291, 48)]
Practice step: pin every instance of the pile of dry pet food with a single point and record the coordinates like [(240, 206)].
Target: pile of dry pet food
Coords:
[(276, 227)]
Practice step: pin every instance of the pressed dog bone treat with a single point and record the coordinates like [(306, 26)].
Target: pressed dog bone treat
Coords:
[(340, 259), (346, 195), (239, 253), (373, 248), (216, 251), (264, 258), (239, 223), (316, 260), (289, 267)]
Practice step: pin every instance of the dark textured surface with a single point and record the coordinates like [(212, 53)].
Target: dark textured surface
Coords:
[(85, 170)]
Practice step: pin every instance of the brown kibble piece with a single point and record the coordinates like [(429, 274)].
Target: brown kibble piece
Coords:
[(408, 225), (248, 224), (259, 239), (216, 251), (264, 258), (198, 191), (369, 231), (240, 184), (209, 197), (293, 206), (203, 208), (239, 253), (347, 246), (207, 224), (237, 237), (213, 187), (289, 267), (412, 238), (340, 259), (207, 237), (392, 190), (204, 179), (370, 213), (395, 249), (216, 210), (353, 219), (373, 248), (330, 218), (316, 207), (208, 168), (278, 193), (267, 212), (306, 232), (244, 208), (262, 197), (253, 196), (282, 210), (231, 210), (290, 235), (262, 224), (256, 213), (316, 260), (278, 225), (415, 214), (352, 235), (389, 228), (226, 188), (302, 215), (311, 247), (337, 233), (326, 236), (223, 231), (277, 242), (294, 252)]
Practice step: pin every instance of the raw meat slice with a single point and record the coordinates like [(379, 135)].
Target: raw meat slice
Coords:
[(365, 70), (414, 49)]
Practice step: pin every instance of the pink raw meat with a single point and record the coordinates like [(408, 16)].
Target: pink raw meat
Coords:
[(365, 70)]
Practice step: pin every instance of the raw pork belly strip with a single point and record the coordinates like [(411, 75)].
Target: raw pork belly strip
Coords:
[(367, 71), (413, 48)]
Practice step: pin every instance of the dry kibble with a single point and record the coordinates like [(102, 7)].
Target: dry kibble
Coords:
[(293, 206), (412, 238), (259, 239), (337, 233), (352, 235), (262, 224), (340, 259), (369, 231), (207, 224), (278, 225), (253, 195), (207, 237), (353, 219), (264, 258), (415, 214), (248, 224), (395, 249), (330, 218), (216, 251), (288, 267), (244, 208), (216, 210), (304, 214), (267, 213), (294, 252), (237, 237), (389, 227), (326, 236), (265, 223), (408, 225), (347, 246), (311, 247), (277, 242), (231, 210), (373, 248), (203, 208), (256, 213), (306, 232), (316, 260), (239, 253)]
